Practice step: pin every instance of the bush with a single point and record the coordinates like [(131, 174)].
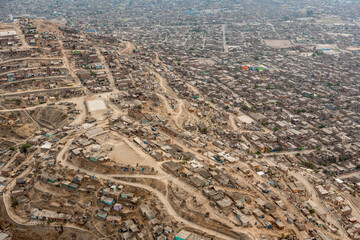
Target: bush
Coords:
[(204, 130), (24, 147), (309, 165)]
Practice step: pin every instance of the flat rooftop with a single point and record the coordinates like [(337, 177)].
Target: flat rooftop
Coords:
[(95, 105), (7, 33)]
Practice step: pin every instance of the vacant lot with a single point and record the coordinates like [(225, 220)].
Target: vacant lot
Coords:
[(278, 43)]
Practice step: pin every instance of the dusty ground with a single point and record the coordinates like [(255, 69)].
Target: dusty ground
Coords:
[(278, 43), (124, 153)]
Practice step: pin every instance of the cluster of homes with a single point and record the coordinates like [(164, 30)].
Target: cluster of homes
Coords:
[(66, 196), (9, 38)]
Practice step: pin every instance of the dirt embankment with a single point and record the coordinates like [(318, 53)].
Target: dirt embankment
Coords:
[(40, 231), (200, 218), (49, 117)]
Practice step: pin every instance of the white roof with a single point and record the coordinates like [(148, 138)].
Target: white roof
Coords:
[(95, 105), (46, 145), (339, 180), (3, 236), (96, 147), (7, 33)]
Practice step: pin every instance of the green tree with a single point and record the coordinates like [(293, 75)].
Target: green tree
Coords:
[(204, 130), (309, 165), (24, 147)]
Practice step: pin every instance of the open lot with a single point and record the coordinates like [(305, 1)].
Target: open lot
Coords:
[(278, 43)]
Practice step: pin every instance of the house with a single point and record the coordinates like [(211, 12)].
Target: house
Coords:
[(269, 208), (118, 207), (168, 230), (158, 230), (244, 220), (95, 157), (44, 214), (186, 235), (197, 182), (46, 146), (321, 190), (131, 226), (338, 200), (102, 214), (146, 211), (113, 219), (173, 167), (73, 186), (224, 203), (127, 195), (345, 210), (279, 224), (258, 213), (65, 183), (264, 188), (84, 75), (107, 200)]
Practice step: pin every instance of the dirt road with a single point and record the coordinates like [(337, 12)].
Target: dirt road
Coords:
[(160, 196)]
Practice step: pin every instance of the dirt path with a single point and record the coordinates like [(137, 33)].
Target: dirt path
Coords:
[(320, 204), (160, 196), (107, 70), (6, 198), (130, 47)]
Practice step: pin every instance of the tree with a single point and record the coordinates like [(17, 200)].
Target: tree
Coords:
[(258, 152), (14, 201), (275, 129), (309, 165), (24, 147), (309, 13), (204, 130), (312, 211)]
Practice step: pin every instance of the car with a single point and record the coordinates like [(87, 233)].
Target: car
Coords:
[(23, 106)]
